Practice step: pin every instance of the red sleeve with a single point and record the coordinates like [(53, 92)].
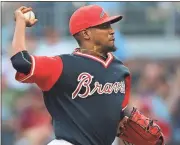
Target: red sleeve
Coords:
[(127, 92), (45, 71)]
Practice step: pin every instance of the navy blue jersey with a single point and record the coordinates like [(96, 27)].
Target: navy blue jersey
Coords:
[(86, 98)]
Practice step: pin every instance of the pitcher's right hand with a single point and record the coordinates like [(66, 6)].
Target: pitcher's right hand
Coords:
[(19, 15)]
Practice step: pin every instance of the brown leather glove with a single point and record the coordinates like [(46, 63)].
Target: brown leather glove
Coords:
[(140, 130)]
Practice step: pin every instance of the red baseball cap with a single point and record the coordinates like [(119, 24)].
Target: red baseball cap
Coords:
[(89, 16)]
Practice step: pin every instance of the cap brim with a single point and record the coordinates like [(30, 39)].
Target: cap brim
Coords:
[(112, 20)]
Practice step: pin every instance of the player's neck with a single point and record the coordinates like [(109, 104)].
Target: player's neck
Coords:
[(94, 52)]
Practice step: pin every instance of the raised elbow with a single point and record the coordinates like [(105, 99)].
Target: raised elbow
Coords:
[(21, 62)]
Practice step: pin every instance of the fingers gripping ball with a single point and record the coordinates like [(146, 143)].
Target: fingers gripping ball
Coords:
[(25, 14), (29, 15)]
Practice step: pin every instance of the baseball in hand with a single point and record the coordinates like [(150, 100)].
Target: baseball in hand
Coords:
[(29, 15)]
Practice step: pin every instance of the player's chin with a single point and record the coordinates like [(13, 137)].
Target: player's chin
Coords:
[(112, 48)]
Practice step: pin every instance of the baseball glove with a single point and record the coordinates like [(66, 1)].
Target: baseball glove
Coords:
[(141, 130)]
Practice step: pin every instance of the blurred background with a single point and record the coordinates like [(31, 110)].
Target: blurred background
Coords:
[(148, 41)]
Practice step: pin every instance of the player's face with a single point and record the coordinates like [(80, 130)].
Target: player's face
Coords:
[(103, 36)]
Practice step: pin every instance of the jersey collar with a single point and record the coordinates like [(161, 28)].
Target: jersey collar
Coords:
[(105, 63)]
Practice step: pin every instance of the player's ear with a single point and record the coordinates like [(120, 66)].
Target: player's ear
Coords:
[(86, 34)]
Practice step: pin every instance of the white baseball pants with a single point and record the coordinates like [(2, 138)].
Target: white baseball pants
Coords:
[(59, 142), (63, 142)]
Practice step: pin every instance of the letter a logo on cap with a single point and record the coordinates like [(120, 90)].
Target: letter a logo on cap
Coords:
[(102, 14)]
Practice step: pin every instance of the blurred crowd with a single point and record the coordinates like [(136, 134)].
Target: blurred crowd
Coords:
[(155, 82)]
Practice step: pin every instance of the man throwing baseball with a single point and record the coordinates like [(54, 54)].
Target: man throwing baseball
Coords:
[(85, 92)]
